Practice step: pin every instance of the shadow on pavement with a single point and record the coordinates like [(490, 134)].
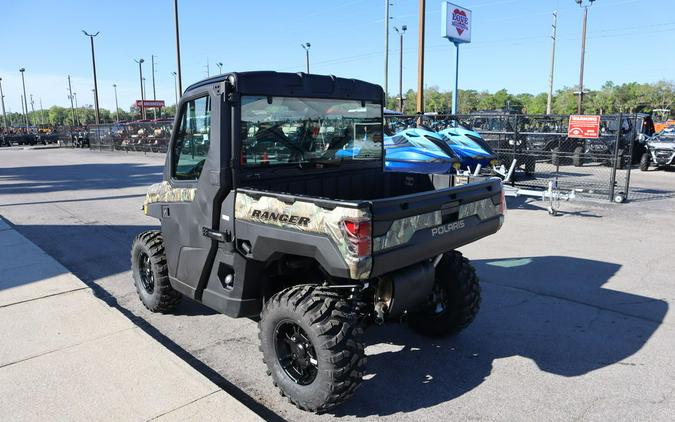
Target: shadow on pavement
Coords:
[(551, 310), (93, 252), (527, 203), (41, 179)]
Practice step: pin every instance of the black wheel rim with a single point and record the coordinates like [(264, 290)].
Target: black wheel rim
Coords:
[(145, 272), (439, 300), (295, 353)]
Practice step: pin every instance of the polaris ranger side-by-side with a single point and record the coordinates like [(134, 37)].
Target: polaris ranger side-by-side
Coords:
[(262, 217)]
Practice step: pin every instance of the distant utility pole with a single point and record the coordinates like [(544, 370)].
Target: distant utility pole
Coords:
[(140, 76), (154, 93), (2, 99), (25, 99), (386, 47), (207, 67), (77, 109), (420, 59), (585, 4), (306, 46), (400, 66), (175, 17), (175, 87), (32, 107), (42, 113), (117, 108), (550, 76), (144, 91), (93, 62), (70, 97)]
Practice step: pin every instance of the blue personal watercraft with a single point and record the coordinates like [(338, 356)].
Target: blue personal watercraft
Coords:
[(469, 146)]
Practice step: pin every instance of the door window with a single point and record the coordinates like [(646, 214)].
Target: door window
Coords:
[(192, 140)]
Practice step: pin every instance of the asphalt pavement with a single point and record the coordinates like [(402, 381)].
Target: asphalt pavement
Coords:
[(575, 320)]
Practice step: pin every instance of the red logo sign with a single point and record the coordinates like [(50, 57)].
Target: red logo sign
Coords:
[(150, 103), (582, 126), (460, 21)]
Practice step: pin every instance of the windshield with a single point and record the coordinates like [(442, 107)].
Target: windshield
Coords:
[(413, 140), (299, 131)]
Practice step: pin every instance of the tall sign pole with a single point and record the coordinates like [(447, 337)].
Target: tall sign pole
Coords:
[(549, 100), (420, 58), (178, 74), (456, 27)]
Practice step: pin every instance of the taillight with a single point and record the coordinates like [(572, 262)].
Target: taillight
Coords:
[(502, 203), (358, 236)]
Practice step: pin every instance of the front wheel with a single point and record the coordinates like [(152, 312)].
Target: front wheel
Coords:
[(455, 300), (309, 338), (150, 273)]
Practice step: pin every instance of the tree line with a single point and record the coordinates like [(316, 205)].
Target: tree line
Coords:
[(63, 116), (611, 98)]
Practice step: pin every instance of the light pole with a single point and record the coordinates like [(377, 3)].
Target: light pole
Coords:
[(584, 4), (306, 46), (220, 67), (93, 63), (2, 99), (140, 76), (117, 108), (175, 87), (400, 66), (25, 99), (145, 93), (175, 17)]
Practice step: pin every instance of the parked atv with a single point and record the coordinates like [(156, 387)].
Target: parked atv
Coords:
[(660, 150), (265, 220), (631, 133)]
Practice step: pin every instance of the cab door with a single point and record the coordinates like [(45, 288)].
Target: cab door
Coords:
[(193, 171)]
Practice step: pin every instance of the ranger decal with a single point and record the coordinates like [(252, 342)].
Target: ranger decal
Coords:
[(283, 218)]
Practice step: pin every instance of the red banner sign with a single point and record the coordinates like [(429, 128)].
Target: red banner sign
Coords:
[(582, 126), (150, 103)]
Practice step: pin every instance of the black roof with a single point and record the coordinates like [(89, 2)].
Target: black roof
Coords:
[(297, 85)]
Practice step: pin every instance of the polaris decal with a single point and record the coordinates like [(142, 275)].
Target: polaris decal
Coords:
[(282, 218), (447, 228)]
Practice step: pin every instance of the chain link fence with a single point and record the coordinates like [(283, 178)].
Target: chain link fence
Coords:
[(135, 136), (542, 151)]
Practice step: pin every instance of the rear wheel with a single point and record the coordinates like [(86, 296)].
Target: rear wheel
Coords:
[(150, 273), (644, 162), (309, 338), (555, 156), (577, 161), (456, 298), (621, 160)]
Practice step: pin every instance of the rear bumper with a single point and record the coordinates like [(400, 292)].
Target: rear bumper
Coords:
[(430, 242)]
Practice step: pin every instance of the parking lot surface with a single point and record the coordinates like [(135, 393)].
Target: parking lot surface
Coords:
[(575, 321)]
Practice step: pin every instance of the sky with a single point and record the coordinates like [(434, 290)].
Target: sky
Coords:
[(628, 40)]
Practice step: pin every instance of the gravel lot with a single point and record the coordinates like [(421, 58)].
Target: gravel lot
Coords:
[(575, 320)]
